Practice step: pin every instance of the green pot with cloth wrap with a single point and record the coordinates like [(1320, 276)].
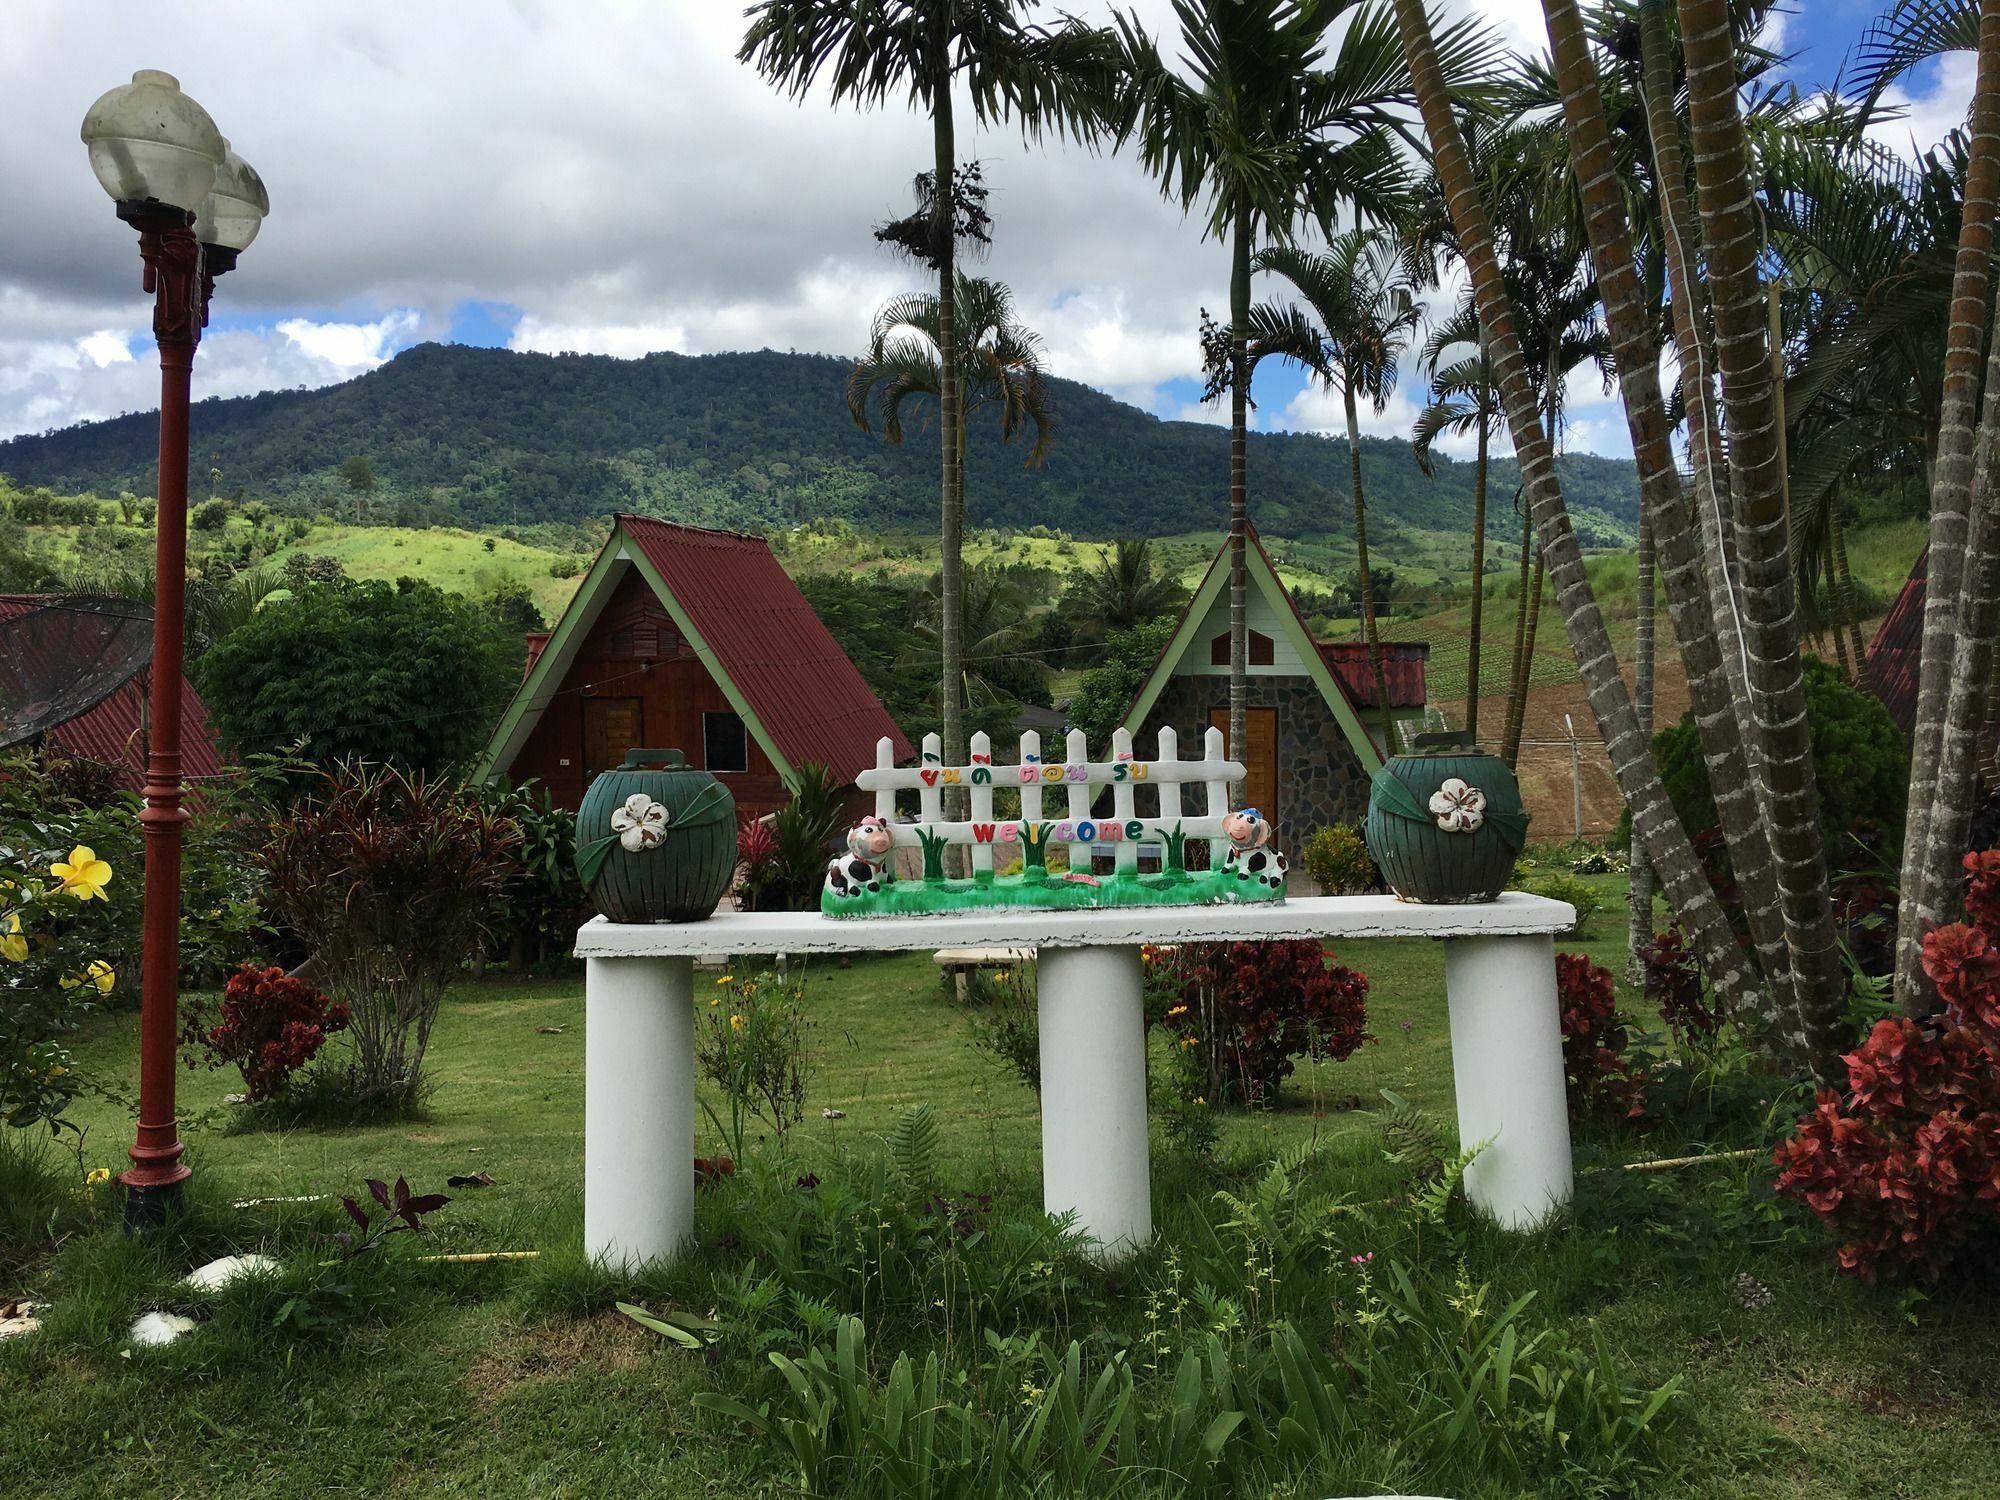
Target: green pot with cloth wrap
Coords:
[(1445, 821), (656, 840)]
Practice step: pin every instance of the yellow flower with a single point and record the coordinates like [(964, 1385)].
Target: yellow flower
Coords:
[(735, 1023), (83, 874), (1187, 1041), (715, 1002), (97, 972), (97, 1175), (725, 979), (13, 942), (1178, 1010)]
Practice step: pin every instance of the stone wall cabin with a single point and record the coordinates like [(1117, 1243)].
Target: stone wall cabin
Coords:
[(1315, 734)]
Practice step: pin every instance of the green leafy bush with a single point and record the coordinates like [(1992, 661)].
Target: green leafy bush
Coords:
[(753, 1041), (1579, 893), (1337, 859), (1006, 1018), (1106, 691), (1859, 757)]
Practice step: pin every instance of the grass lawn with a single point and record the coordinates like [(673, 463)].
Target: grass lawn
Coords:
[(518, 1379)]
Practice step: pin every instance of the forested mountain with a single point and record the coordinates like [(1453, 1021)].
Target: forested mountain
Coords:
[(494, 437)]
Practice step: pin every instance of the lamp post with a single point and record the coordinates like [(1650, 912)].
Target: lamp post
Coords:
[(196, 205)]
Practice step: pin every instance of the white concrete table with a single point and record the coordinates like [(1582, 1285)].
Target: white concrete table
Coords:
[(639, 1105)]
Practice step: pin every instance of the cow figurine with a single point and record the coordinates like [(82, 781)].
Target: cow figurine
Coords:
[(1250, 856), (860, 868)]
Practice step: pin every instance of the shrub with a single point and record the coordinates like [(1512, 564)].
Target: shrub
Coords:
[(49, 978), (1674, 984), (1338, 861), (1582, 895), (1600, 1079), (210, 515), (388, 879), (1006, 1018), (1905, 1168), (542, 902), (271, 1025), (805, 829), (1248, 1009), (753, 1044), (1859, 756), (757, 865)]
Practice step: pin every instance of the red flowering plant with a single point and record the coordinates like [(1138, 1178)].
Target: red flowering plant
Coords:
[(1247, 1010), (1601, 1079), (1675, 985), (271, 1026), (1905, 1168)]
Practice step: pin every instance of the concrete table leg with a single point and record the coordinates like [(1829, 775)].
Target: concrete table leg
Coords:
[(1094, 1152), (638, 1109), (1507, 1062)]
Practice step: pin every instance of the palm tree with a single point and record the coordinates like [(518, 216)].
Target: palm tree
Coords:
[(1358, 316), (1123, 590), (1267, 124), (1049, 80), (996, 634), (1628, 747), (999, 357)]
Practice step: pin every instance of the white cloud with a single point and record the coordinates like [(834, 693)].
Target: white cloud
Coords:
[(107, 346), (353, 347), (1929, 114)]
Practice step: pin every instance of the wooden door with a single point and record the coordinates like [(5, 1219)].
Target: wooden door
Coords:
[(1259, 756), (611, 726)]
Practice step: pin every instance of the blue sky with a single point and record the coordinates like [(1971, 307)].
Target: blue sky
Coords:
[(556, 175)]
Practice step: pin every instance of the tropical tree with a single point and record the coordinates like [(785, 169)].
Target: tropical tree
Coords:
[(1125, 589), (997, 673), (1360, 311), (1281, 111), (1049, 80)]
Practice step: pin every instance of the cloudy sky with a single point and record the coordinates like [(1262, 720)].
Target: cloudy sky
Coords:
[(603, 177)]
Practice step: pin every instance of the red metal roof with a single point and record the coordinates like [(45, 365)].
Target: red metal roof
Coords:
[(538, 641), (800, 685), (111, 732), (1895, 657), (1402, 666)]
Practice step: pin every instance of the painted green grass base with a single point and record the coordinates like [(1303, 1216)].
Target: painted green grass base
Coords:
[(1054, 891)]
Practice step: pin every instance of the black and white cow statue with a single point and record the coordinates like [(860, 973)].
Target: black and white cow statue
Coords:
[(1250, 856), (860, 868)]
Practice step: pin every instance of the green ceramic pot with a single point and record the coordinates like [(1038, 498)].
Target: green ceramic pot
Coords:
[(1445, 821), (656, 841)]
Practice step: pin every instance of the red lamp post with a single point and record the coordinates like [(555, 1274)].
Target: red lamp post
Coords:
[(196, 204)]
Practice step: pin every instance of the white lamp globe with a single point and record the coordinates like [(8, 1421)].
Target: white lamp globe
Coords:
[(149, 140), (234, 209)]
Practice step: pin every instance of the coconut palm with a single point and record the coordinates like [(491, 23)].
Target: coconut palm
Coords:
[(1359, 312), (1047, 79), (1282, 110), (1124, 590)]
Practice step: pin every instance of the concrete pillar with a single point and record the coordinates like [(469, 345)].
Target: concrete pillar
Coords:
[(638, 1109), (1095, 1161)]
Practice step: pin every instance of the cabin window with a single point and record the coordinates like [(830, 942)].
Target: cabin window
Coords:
[(725, 746), (1262, 653)]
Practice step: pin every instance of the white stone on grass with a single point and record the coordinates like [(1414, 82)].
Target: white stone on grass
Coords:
[(217, 1274), (156, 1328)]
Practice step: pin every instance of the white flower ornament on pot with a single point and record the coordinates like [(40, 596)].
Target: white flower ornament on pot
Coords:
[(1458, 806), (640, 824)]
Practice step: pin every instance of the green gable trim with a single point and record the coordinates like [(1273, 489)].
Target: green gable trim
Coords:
[(584, 607), (1260, 575)]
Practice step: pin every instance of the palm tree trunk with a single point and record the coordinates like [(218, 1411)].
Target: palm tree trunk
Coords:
[(1517, 664), (1369, 631), (1850, 607), (1517, 699), (1239, 493), (1683, 245), (1925, 860), (1664, 528), (951, 585), (1629, 749), (1639, 927), (1478, 572), (1732, 235)]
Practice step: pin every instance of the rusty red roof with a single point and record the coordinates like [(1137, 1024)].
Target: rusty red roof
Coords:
[(1895, 656), (800, 685), (1403, 664), (112, 732)]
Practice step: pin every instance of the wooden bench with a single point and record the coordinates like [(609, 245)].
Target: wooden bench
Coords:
[(960, 962)]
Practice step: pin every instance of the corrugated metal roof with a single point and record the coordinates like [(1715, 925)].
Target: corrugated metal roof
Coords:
[(112, 731), (805, 692), (1896, 655), (1402, 666)]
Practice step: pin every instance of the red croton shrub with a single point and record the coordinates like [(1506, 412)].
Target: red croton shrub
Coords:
[(1601, 1079), (271, 1026), (1674, 984), (1906, 1167), (1251, 1008)]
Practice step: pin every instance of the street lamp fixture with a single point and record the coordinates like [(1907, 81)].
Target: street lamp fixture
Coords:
[(196, 205)]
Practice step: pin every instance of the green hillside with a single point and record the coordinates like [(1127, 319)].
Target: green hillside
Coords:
[(492, 438)]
